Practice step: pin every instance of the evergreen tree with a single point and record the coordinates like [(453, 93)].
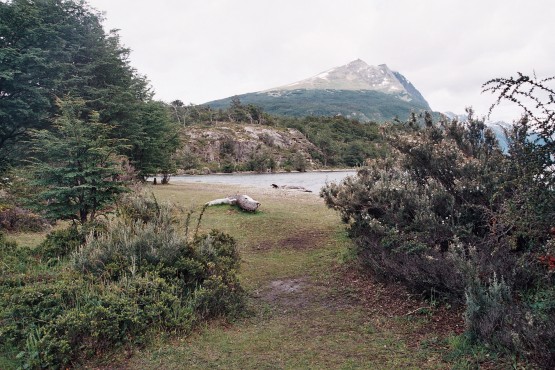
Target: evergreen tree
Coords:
[(55, 48), (76, 164), (155, 141)]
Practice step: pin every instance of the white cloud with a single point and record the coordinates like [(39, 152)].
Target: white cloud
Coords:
[(200, 50)]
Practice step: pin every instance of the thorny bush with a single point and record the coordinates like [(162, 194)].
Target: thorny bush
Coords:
[(448, 212)]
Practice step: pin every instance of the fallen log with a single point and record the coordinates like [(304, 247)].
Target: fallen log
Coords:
[(292, 187), (217, 202), (244, 202)]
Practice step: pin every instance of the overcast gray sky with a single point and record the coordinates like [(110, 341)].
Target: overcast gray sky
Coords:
[(202, 50)]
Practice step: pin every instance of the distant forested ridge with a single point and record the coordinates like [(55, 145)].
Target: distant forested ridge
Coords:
[(363, 105)]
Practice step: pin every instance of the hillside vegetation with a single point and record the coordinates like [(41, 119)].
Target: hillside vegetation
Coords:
[(363, 105), (245, 138)]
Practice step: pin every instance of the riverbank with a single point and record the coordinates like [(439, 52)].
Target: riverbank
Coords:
[(312, 181)]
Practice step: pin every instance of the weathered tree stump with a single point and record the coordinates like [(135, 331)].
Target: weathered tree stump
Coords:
[(244, 202), (165, 179)]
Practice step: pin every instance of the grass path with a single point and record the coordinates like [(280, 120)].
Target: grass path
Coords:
[(311, 309)]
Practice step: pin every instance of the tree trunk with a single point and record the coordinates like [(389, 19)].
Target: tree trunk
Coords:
[(292, 187), (247, 203), (244, 202)]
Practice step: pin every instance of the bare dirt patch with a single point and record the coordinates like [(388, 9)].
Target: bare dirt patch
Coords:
[(303, 240), (287, 286), (300, 240), (286, 294)]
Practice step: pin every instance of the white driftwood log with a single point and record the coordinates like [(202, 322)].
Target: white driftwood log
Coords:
[(291, 187), (244, 202), (217, 202)]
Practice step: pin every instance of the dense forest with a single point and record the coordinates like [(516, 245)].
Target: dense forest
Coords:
[(437, 204)]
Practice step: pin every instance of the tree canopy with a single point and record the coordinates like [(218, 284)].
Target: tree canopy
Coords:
[(51, 49)]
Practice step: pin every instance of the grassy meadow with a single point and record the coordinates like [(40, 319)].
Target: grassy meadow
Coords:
[(310, 308), (308, 304)]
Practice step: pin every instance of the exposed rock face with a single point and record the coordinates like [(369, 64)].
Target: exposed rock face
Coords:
[(356, 75), (239, 144)]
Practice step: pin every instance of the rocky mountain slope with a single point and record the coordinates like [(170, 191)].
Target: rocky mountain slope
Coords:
[(228, 147), (359, 76), (355, 90)]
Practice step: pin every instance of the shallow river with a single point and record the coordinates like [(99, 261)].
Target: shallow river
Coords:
[(310, 180)]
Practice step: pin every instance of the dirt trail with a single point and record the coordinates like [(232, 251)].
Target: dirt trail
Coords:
[(312, 308)]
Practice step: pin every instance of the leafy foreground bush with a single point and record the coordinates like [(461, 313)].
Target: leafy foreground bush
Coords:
[(134, 278), (451, 215)]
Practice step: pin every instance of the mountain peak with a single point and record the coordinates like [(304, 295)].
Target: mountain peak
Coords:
[(354, 90), (358, 63), (355, 75)]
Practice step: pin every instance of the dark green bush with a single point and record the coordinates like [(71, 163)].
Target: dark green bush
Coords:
[(6, 246), (228, 166), (60, 243), (261, 161), (13, 260), (74, 318), (126, 281), (448, 213)]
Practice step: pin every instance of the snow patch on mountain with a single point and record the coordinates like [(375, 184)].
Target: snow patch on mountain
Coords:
[(356, 75)]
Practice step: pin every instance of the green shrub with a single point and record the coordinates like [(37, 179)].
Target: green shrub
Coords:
[(76, 319), (449, 213), (487, 307), (6, 246), (60, 243), (13, 260), (261, 161), (228, 166), (136, 276), (133, 207)]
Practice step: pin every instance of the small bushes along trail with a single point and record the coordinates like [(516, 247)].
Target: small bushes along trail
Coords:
[(84, 294), (311, 307)]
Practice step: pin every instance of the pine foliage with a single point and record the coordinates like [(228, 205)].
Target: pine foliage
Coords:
[(77, 166)]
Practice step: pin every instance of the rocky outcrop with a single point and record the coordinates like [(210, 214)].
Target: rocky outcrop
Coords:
[(225, 147)]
